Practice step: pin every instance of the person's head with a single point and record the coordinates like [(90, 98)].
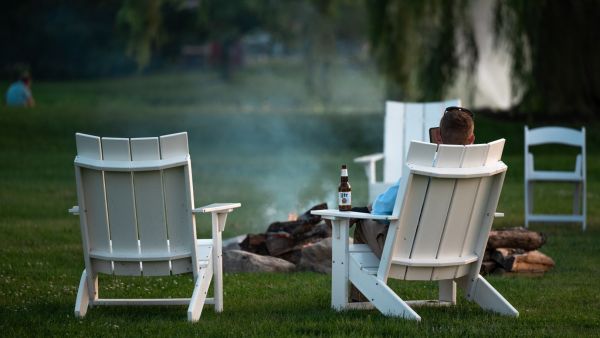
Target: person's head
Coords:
[(457, 126), (25, 77)]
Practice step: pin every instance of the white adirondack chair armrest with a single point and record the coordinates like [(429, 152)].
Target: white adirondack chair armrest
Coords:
[(370, 167), (74, 210), (369, 158), (333, 214), (217, 207), (473, 172)]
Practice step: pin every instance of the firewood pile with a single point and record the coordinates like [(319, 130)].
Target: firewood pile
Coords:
[(515, 250), (287, 239)]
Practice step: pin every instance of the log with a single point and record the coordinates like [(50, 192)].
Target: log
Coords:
[(285, 237), (532, 261), (487, 267), (516, 238), (255, 244), (518, 260)]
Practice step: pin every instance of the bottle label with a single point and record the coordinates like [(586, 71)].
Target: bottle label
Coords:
[(344, 172), (345, 198)]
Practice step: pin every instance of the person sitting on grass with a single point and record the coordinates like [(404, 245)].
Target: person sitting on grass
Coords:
[(19, 92)]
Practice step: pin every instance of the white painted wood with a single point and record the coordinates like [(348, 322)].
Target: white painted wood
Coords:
[(556, 135), (198, 298), (559, 135), (380, 295), (443, 223), (120, 205), (482, 171), (334, 213), (393, 141), (218, 207), (91, 198), (409, 206), (178, 216), (459, 213), (146, 165), (436, 262), (447, 292), (143, 302), (218, 224), (432, 223), (403, 123), (369, 162), (136, 211), (83, 297), (339, 264), (489, 298), (174, 145), (150, 208)]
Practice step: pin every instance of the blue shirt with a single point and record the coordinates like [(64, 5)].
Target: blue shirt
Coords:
[(18, 94), (384, 203)]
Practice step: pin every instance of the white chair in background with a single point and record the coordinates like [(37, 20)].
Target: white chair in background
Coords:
[(438, 232), (137, 217), (404, 122), (556, 135)]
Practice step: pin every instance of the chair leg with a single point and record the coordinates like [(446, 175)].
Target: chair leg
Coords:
[(484, 294), (218, 224), (577, 199), (528, 202), (447, 291), (199, 295), (381, 296), (83, 296)]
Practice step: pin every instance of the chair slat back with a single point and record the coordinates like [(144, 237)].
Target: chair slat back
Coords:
[(149, 206), (179, 200), (120, 201), (136, 219), (559, 135), (444, 218), (405, 122), (91, 198)]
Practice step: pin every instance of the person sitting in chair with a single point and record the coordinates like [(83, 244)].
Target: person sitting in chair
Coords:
[(456, 127)]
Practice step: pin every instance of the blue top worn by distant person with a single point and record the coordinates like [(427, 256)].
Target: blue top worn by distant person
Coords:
[(18, 94)]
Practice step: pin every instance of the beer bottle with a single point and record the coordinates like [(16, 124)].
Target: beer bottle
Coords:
[(344, 191)]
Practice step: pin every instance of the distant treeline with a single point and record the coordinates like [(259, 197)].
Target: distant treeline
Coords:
[(62, 39)]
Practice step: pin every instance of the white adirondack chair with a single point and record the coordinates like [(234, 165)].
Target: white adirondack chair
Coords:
[(438, 232), (404, 122), (136, 211), (556, 135)]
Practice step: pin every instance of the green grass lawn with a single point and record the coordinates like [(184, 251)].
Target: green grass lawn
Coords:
[(265, 142)]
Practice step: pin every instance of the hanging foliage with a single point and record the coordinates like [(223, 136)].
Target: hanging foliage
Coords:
[(420, 45), (555, 46)]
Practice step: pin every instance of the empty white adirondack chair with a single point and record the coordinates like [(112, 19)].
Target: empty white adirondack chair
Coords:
[(136, 210), (404, 122), (556, 135), (438, 232)]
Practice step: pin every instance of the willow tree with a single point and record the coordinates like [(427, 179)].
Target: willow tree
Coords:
[(555, 46), (421, 46)]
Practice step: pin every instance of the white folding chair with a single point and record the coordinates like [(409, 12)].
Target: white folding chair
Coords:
[(136, 211), (556, 135)]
